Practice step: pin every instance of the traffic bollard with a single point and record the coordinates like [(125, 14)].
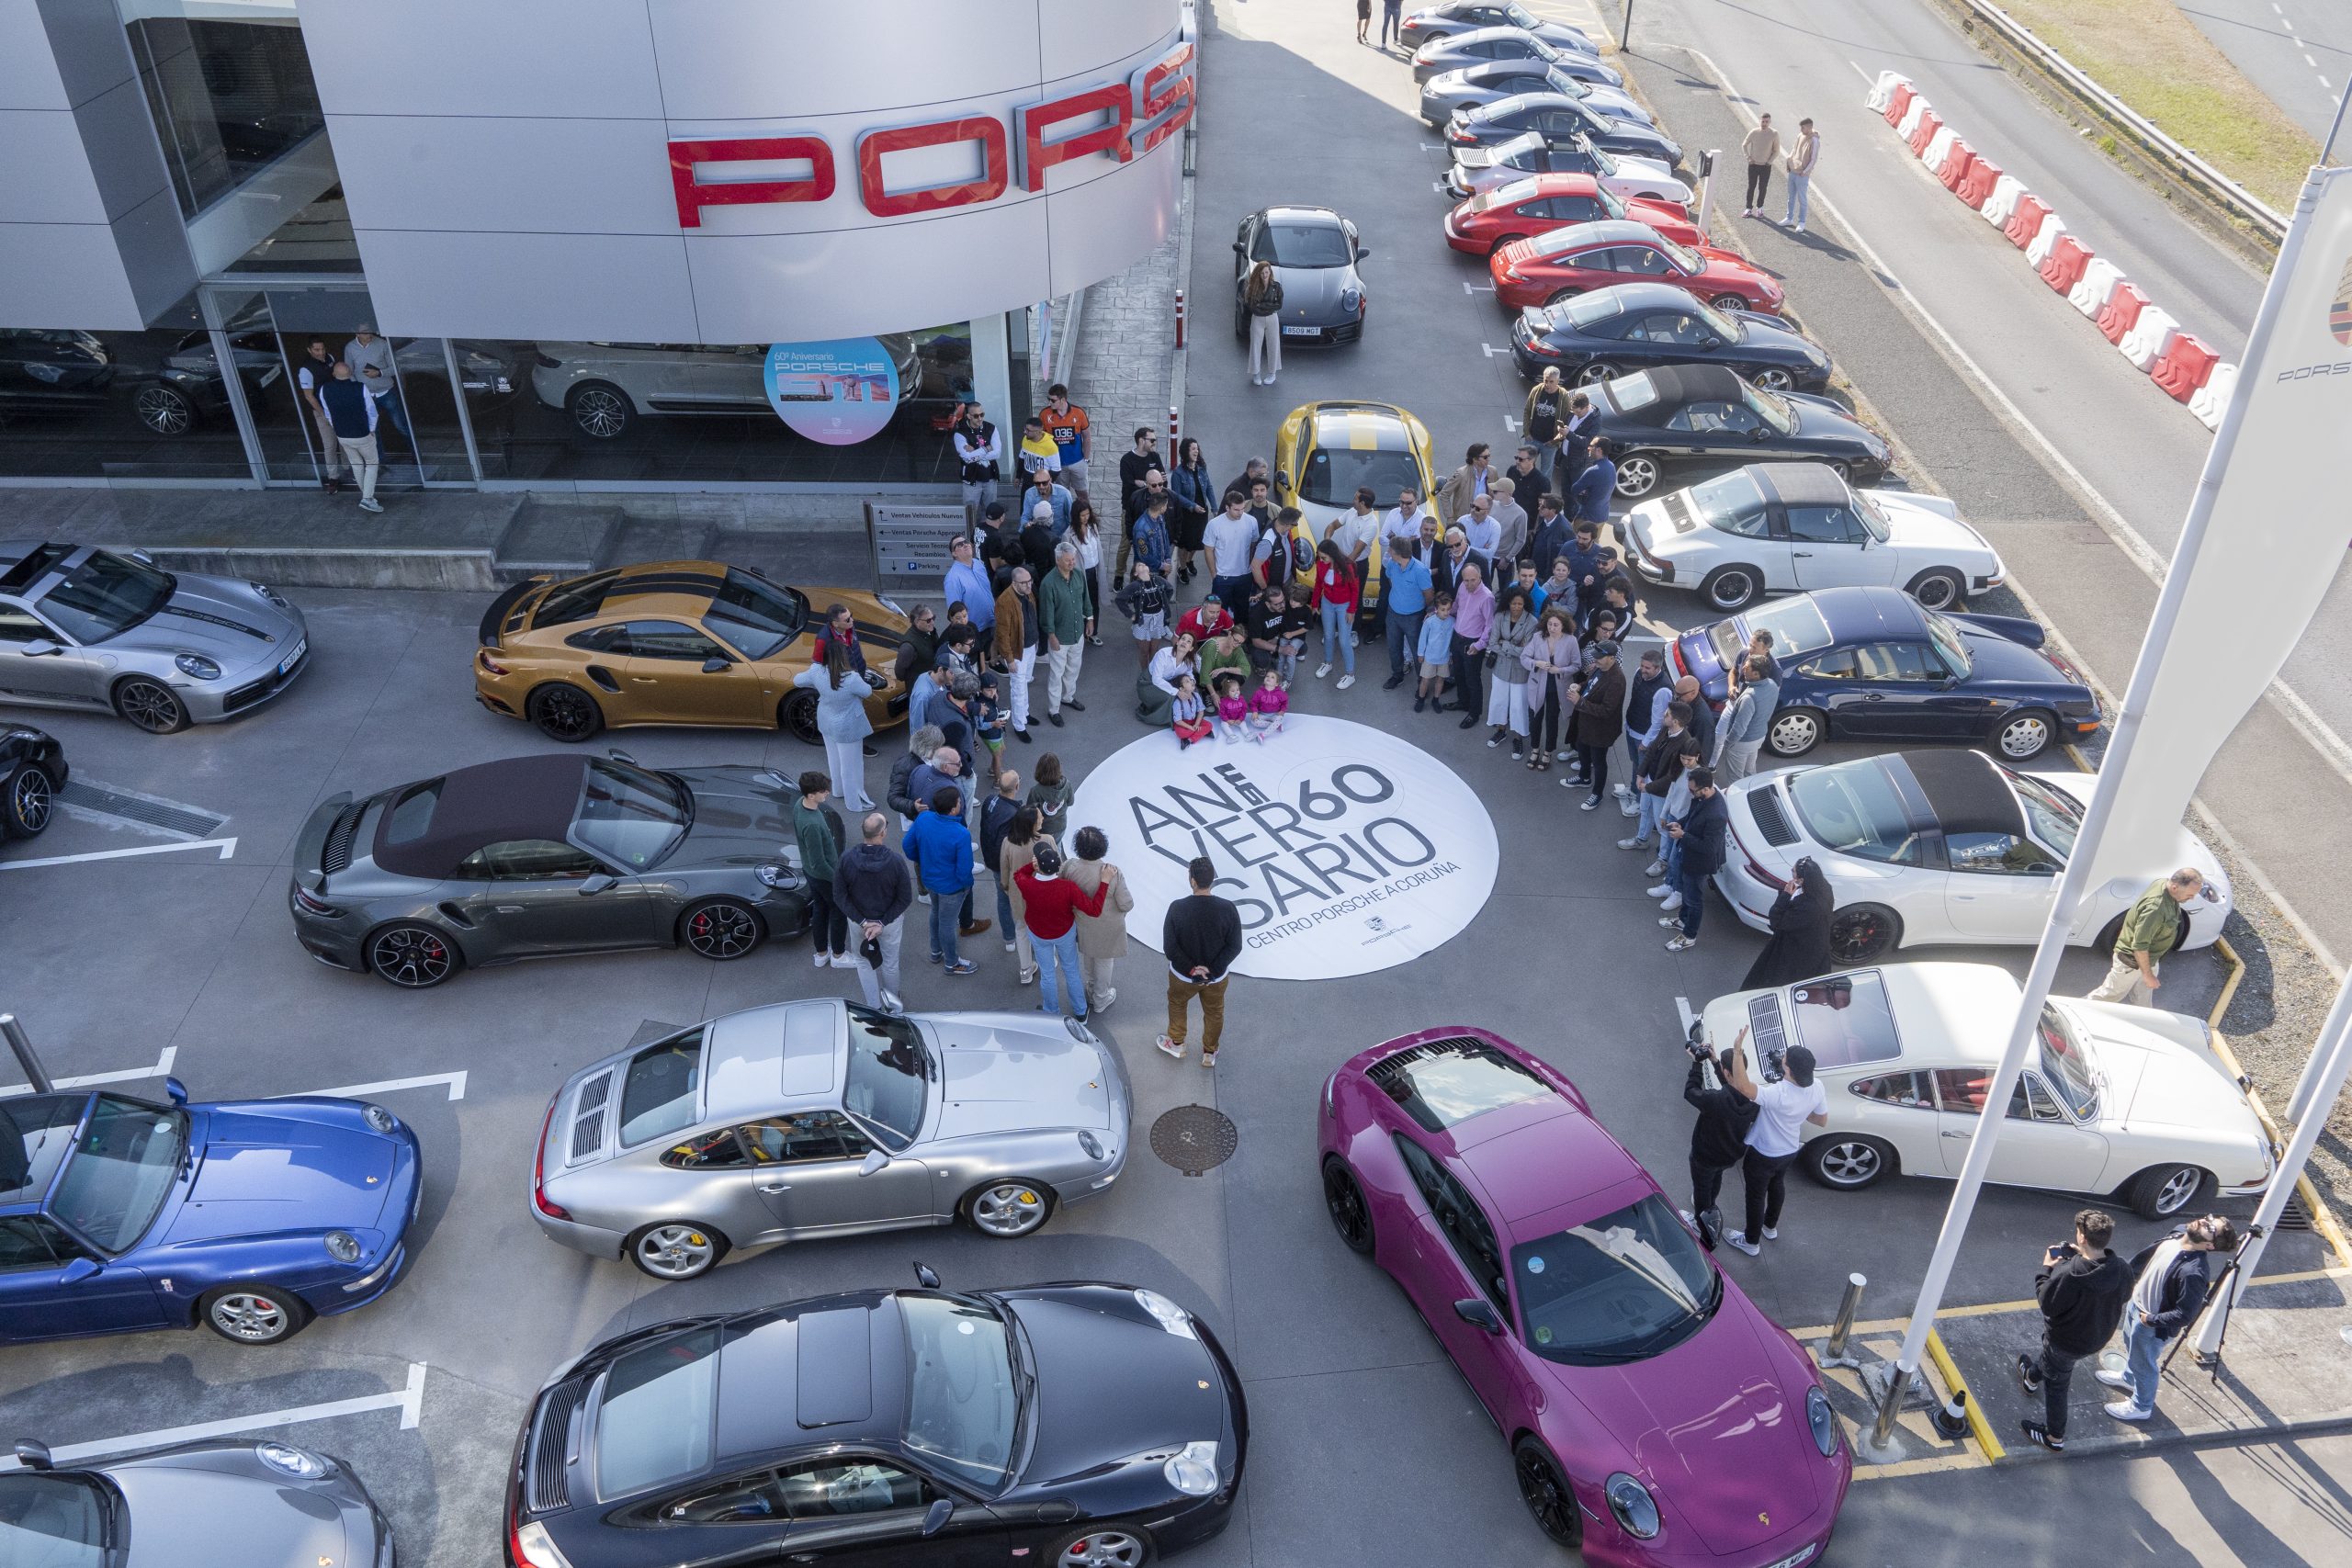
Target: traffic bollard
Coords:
[(1180, 318), (1834, 1353)]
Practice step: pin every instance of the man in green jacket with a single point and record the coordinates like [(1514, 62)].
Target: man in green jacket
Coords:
[(2151, 927), (1062, 602), (816, 829)]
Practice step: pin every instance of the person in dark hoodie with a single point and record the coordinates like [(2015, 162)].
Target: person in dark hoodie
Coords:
[(1719, 1139), (2081, 1288), (816, 829), (873, 891), (1800, 919), (2169, 1283), (1202, 937)]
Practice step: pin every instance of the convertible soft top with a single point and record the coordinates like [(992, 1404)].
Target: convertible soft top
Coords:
[(1966, 789), (489, 803)]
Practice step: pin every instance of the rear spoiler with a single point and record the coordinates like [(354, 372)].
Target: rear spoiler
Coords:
[(493, 620)]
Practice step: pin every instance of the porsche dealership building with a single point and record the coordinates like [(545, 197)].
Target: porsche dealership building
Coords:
[(610, 244)]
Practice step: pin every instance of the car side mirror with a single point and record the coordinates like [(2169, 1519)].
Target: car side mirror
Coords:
[(597, 884), (81, 1268), (875, 1160), (176, 1090), (1363, 251), (1759, 434), (927, 1276), (935, 1518), (617, 755), (32, 1455), (1711, 341), (142, 557), (1478, 1310), (1236, 247), (39, 647)]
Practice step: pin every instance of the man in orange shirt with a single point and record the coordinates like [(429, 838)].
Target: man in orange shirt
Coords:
[(1067, 423)]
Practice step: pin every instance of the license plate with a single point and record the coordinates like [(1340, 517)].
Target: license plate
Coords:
[(1302, 332), (294, 658)]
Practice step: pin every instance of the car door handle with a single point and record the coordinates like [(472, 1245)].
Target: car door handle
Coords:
[(1962, 1135), (1802, 555), (775, 1187), (507, 908), (1873, 696)]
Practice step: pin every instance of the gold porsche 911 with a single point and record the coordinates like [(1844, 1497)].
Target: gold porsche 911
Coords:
[(673, 642)]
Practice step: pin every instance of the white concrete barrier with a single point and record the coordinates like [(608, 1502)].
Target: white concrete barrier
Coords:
[(1939, 147), (2004, 200), (2098, 281), (1910, 121), (2045, 239), (1882, 91), (2212, 401), (2149, 337)]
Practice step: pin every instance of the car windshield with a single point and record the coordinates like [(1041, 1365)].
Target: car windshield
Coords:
[(1302, 242), (1855, 808), (34, 1133), (1950, 643), (1771, 407), (2053, 819), (1335, 473), (1680, 254), (1874, 517), (2063, 1062), (962, 1402), (658, 1094), (52, 1521), (1564, 84), (889, 1067), (1727, 500), (1619, 1287), (757, 618), (121, 1170), (627, 816), (106, 596), (654, 1423)]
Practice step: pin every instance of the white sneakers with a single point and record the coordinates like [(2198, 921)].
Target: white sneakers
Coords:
[(1345, 682), (1671, 903), (1682, 944), (1741, 1242), (1322, 669), (1170, 1047), (2123, 1410)]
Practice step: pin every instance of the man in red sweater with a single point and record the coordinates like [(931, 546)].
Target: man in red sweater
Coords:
[(1051, 904)]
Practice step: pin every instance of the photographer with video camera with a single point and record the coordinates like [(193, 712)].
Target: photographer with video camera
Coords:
[(1787, 1102), (1727, 1106)]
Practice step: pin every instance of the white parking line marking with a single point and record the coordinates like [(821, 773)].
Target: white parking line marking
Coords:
[(1862, 73), (1492, 350), (1438, 186), (1470, 287), (1433, 146), (456, 1082), (409, 1401), (128, 1075), (227, 847), (1682, 1010), (1510, 424)]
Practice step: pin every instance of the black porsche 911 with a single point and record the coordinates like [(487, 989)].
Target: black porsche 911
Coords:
[(32, 770), (1631, 326), (1070, 1426), (1680, 414)]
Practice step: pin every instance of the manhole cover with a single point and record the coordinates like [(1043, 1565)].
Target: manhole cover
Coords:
[(1195, 1138)]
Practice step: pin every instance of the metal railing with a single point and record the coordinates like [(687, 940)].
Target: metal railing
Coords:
[(2149, 139)]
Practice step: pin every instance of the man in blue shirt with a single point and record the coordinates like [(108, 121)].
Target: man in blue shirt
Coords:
[(1404, 590), (940, 846), (1043, 489), (967, 584), (1589, 498), (353, 413)]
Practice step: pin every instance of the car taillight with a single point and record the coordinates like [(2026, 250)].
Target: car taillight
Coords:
[(539, 1169), (1539, 345), (1674, 652), (489, 665), (309, 905), (1754, 869), (1454, 133)]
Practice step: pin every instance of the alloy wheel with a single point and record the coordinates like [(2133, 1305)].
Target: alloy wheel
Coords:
[(164, 412), (1344, 1200), (2025, 736), (250, 1317), (30, 802), (599, 412), (1774, 380), (1637, 476), (150, 705), (1859, 934), (722, 930), (566, 714), (676, 1251), (1793, 734), (411, 956), (2177, 1190), (1008, 1209), (1547, 1495), (1730, 588), (1594, 374), (1103, 1549), (1730, 302), (1849, 1163)]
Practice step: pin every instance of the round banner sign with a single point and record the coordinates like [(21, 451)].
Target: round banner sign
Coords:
[(1346, 849), (838, 392)]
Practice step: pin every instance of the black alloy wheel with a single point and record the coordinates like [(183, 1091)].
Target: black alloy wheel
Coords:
[(796, 717), (166, 411), (151, 706), (720, 929), (411, 955), (27, 802), (564, 712), (1729, 588), (1863, 933), (1546, 1492), (1350, 1215)]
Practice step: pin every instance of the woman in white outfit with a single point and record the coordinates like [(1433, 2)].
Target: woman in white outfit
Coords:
[(1261, 298), (841, 720)]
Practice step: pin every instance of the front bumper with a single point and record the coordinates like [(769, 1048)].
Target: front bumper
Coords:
[(404, 1197), (210, 702)]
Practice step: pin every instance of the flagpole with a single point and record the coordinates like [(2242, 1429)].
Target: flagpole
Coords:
[(2067, 900)]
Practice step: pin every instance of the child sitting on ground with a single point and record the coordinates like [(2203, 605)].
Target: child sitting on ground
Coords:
[(1268, 704), (1192, 720), (1297, 621), (1232, 708), (1437, 653)]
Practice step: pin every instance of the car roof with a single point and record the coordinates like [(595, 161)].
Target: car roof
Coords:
[(1973, 1004), (24, 562), (1676, 386), (815, 1372), (1967, 789), (1546, 1163), (1368, 427), (1800, 484), (1629, 297), (1612, 231), (762, 1061), (489, 803), (1857, 614), (678, 587), (1302, 215)]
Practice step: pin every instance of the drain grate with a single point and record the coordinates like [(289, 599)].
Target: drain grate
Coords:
[(1195, 1138), (161, 814)]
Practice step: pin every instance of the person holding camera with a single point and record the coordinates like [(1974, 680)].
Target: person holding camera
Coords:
[(1787, 1102), (2170, 1283), (1719, 1139), (2081, 1288)]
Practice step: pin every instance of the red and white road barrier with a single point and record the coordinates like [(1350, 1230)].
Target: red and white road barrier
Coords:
[(2187, 369)]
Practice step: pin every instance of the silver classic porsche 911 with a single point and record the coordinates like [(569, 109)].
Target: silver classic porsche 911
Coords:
[(816, 1118), (96, 630)]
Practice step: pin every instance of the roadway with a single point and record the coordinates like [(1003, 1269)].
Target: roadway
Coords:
[(2298, 52)]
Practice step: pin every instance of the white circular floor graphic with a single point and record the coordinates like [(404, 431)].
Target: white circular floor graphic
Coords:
[(1346, 849)]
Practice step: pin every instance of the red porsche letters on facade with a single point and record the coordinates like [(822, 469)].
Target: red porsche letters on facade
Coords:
[(1152, 105)]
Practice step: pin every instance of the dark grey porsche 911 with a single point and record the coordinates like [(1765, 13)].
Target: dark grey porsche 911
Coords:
[(534, 856)]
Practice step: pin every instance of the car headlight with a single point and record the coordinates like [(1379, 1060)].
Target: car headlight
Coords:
[(1824, 1423), (1171, 1316), (1350, 299), (342, 1246), (777, 876), (1631, 1502), (287, 1459), (195, 664), (1194, 1471), (272, 594), (378, 1118), (1091, 1144)]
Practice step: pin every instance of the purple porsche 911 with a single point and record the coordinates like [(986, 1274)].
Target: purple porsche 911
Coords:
[(1655, 1415)]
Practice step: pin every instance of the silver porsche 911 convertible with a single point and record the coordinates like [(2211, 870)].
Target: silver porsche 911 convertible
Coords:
[(96, 630), (808, 1119)]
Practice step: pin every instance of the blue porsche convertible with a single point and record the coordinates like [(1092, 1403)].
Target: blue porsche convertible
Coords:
[(252, 1217), (1875, 664)]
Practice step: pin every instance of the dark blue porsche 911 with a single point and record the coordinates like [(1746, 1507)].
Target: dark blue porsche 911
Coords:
[(1874, 664), (251, 1217)]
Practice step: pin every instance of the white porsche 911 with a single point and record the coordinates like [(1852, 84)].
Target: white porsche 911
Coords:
[(1793, 527), (2122, 1102), (1939, 846)]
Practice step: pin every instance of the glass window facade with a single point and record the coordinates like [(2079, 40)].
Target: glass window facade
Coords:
[(230, 91), (116, 405)]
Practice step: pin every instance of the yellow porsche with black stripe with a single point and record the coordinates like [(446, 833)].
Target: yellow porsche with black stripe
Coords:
[(1324, 451), (693, 642)]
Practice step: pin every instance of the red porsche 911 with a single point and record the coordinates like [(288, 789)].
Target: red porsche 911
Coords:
[(1551, 267), (1488, 221)]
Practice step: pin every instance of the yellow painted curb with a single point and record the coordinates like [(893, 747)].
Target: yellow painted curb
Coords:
[(2323, 1218), (1979, 1426)]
